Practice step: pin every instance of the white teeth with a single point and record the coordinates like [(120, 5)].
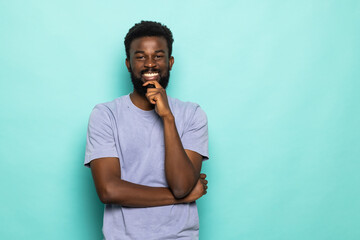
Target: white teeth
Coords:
[(150, 74)]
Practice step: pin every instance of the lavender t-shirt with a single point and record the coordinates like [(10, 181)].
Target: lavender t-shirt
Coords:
[(120, 129)]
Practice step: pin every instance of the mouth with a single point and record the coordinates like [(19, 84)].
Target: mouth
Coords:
[(150, 76)]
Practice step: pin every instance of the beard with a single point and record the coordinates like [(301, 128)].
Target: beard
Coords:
[(138, 83)]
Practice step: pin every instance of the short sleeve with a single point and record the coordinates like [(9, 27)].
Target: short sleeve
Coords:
[(100, 137), (195, 136)]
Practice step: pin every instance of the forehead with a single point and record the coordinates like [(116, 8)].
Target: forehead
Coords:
[(148, 44)]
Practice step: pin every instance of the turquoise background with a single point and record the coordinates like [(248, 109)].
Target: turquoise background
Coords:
[(279, 81)]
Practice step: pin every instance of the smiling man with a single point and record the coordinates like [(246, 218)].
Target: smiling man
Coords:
[(146, 149)]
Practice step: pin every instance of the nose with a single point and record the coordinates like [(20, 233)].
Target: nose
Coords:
[(150, 62)]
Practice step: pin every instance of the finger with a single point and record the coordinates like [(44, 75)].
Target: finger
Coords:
[(157, 85), (153, 95), (202, 175), (152, 98), (203, 181), (153, 90)]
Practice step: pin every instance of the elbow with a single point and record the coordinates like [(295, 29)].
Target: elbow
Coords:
[(105, 195), (180, 195), (181, 189), (180, 192)]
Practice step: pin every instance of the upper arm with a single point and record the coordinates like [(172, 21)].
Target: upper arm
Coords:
[(195, 136), (100, 141), (196, 160), (195, 139), (104, 172)]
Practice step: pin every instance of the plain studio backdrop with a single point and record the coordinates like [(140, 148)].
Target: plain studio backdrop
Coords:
[(279, 81)]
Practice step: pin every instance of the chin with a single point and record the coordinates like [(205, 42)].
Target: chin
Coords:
[(138, 83), (156, 80)]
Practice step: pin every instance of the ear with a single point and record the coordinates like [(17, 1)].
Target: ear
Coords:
[(171, 62), (127, 63)]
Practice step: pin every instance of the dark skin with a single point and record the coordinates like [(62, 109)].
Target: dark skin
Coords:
[(182, 166)]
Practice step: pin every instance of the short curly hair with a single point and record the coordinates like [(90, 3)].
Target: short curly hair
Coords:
[(148, 29)]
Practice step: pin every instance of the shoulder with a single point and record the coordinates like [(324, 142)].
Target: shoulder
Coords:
[(187, 110), (108, 110), (111, 106), (181, 105)]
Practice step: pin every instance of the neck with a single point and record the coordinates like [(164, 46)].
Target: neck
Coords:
[(141, 101)]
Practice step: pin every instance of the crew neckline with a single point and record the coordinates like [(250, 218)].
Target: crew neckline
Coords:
[(133, 107)]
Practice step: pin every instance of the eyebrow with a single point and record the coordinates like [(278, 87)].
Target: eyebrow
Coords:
[(157, 51)]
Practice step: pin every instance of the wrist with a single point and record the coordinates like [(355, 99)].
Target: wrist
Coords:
[(168, 118)]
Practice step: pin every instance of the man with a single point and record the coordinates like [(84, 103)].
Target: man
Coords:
[(146, 149)]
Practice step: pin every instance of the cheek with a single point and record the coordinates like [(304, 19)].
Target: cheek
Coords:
[(136, 67), (164, 65)]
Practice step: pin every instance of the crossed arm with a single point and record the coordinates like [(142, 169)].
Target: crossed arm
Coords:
[(182, 169), (112, 189)]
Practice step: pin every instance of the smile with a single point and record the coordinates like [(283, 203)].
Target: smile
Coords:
[(150, 74)]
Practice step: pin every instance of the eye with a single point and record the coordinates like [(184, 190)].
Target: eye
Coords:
[(140, 57), (159, 56)]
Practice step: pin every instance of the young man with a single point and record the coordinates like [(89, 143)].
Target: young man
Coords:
[(146, 149)]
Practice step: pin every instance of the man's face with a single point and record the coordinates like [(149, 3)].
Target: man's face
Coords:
[(149, 61)]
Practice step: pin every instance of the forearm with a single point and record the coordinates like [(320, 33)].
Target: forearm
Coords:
[(134, 195), (180, 173)]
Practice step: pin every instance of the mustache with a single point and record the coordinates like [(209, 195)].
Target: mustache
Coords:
[(150, 70)]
